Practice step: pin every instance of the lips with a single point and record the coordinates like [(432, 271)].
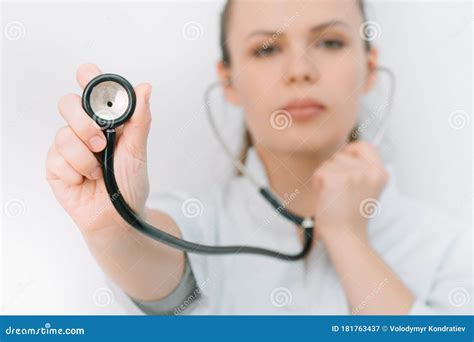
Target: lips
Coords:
[(304, 109)]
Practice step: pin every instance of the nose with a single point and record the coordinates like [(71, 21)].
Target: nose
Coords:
[(300, 69)]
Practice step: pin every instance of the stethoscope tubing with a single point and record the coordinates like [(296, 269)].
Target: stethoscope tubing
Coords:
[(119, 203), (107, 161)]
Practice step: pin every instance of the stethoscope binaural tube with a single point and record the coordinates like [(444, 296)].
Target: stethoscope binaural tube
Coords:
[(103, 100)]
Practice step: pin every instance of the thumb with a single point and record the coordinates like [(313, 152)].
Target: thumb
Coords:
[(136, 130)]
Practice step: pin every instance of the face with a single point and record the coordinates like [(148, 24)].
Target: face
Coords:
[(298, 70)]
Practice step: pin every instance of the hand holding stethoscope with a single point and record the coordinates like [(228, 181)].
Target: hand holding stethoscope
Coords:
[(75, 173)]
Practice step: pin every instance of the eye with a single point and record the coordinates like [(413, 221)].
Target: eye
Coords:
[(266, 51), (332, 44)]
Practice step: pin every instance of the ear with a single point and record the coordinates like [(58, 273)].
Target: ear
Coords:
[(372, 63), (225, 75)]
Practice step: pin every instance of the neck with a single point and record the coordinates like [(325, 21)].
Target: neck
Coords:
[(290, 176)]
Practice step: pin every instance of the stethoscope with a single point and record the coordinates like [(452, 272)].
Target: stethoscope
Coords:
[(110, 100)]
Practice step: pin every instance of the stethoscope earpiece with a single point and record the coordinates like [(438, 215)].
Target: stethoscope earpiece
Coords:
[(110, 100)]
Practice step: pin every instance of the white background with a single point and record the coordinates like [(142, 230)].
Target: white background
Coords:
[(46, 266)]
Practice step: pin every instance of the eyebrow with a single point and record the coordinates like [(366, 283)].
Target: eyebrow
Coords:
[(317, 28)]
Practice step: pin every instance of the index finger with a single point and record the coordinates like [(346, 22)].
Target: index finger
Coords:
[(85, 73), (363, 149)]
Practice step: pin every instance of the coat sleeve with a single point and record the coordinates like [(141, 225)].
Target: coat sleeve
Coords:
[(194, 218)]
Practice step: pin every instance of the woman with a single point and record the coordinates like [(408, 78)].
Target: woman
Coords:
[(308, 62)]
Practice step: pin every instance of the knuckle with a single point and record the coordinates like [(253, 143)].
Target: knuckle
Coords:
[(64, 100), (54, 165), (84, 161), (383, 176), (87, 127), (324, 178), (372, 178), (51, 156), (317, 177), (348, 177), (90, 127), (356, 177), (63, 136), (90, 165), (370, 150), (375, 176), (364, 145), (50, 159)]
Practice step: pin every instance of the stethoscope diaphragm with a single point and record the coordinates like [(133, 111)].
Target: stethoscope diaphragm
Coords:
[(110, 100)]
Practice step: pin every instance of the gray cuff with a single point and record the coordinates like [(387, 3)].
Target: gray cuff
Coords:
[(180, 299)]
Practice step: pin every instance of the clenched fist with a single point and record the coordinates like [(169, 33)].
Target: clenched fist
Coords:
[(343, 184)]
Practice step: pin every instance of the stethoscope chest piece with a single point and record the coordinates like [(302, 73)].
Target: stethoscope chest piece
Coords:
[(110, 100)]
